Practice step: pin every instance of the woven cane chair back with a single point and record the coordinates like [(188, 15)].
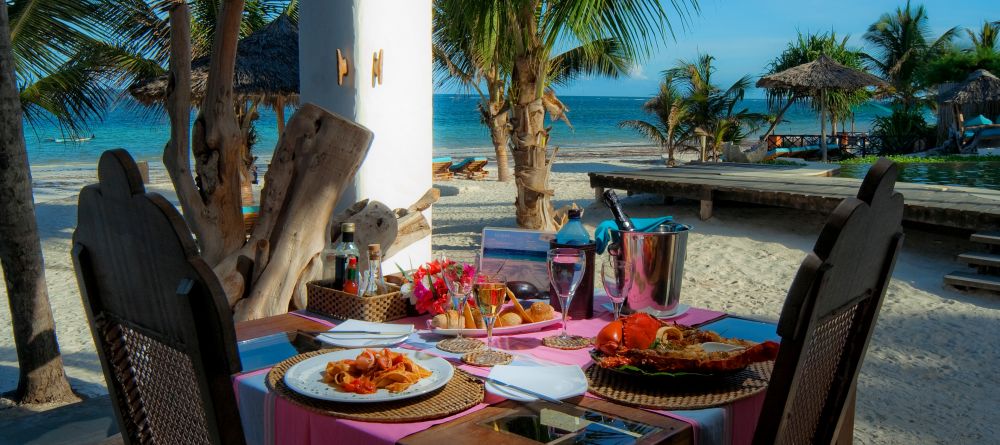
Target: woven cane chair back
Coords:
[(829, 315), (161, 324)]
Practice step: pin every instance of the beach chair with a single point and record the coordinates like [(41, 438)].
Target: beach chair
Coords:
[(440, 169), (163, 329), (829, 315), (471, 168)]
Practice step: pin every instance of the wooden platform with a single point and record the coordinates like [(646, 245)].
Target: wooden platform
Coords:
[(794, 187)]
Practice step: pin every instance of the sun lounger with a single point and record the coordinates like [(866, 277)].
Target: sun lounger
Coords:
[(440, 168), (471, 168)]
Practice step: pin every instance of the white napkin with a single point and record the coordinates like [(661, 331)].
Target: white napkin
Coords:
[(558, 382), (365, 339)]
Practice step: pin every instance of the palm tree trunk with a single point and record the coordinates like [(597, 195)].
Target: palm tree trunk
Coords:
[(41, 376), (822, 124), (500, 135)]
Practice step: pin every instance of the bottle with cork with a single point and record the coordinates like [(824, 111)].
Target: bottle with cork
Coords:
[(375, 282)]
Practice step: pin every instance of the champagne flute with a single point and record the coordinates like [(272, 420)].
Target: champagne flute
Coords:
[(491, 292), (613, 282), (459, 279), (566, 268)]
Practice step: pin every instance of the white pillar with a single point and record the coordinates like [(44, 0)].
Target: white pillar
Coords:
[(399, 111)]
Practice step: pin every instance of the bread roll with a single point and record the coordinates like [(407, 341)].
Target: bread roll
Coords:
[(541, 311), (509, 319), (525, 317), (447, 320), (455, 321), (440, 321)]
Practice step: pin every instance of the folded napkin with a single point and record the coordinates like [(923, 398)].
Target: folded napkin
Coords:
[(558, 382), (641, 225), (345, 333)]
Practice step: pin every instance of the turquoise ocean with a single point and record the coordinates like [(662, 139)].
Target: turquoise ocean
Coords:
[(457, 129)]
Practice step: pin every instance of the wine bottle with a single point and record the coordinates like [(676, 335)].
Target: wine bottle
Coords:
[(624, 222)]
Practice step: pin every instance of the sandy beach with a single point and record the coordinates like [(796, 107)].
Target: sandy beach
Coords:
[(929, 375)]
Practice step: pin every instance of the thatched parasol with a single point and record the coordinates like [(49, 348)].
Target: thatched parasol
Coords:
[(267, 70), (820, 76), (980, 86)]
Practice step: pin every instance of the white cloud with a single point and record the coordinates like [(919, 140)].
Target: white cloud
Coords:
[(636, 72)]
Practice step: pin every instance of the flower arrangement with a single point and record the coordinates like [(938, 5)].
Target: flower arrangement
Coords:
[(428, 287)]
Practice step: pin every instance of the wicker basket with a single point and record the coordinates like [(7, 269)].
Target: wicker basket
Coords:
[(337, 304)]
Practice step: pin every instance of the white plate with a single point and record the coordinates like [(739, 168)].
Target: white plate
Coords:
[(679, 310), (558, 382), (332, 338), (306, 378), (527, 327)]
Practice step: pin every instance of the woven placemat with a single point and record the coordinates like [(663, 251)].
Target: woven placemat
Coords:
[(485, 357), (679, 392), (459, 394), (460, 345), (575, 342)]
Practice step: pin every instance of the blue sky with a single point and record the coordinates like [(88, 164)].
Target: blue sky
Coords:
[(744, 35)]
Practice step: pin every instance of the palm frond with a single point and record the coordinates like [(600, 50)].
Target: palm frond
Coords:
[(647, 130), (601, 58)]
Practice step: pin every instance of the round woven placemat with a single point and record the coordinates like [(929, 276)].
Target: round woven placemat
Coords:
[(485, 357), (459, 394), (679, 392), (460, 345), (574, 342)]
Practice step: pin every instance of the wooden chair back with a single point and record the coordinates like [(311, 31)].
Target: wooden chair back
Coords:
[(829, 315), (163, 330), (441, 170)]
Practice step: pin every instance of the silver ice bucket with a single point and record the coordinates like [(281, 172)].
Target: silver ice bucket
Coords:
[(653, 269)]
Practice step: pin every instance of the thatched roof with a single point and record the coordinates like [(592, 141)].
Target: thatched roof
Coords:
[(981, 86), (267, 67), (821, 74)]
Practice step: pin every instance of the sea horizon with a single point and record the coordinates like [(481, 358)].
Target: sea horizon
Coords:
[(457, 128)]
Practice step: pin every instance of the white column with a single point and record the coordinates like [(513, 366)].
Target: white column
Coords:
[(399, 111)]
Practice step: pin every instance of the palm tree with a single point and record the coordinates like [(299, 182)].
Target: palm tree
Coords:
[(711, 111), (670, 127), (457, 61), (902, 44), (525, 35), (987, 38), (41, 375), (807, 48)]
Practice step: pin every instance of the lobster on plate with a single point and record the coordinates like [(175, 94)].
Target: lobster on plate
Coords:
[(647, 343)]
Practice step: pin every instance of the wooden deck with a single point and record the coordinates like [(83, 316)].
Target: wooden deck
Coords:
[(959, 207)]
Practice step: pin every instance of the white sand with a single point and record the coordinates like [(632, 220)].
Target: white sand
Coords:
[(929, 375)]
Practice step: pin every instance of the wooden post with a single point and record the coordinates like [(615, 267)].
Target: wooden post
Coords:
[(279, 112), (598, 193), (705, 212)]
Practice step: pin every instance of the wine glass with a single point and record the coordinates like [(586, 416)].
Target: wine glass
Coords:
[(459, 278), (491, 292), (566, 268), (613, 282)]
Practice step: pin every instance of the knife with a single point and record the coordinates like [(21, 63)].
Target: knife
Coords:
[(524, 390)]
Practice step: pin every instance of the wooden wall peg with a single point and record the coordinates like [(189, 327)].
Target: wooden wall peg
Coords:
[(377, 68), (342, 69)]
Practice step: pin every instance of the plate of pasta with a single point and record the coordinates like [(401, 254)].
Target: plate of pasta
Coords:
[(368, 375)]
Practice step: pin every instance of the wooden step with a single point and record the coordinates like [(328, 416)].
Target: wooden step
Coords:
[(980, 259), (986, 238), (967, 279)]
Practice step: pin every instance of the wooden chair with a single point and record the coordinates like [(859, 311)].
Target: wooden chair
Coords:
[(829, 315), (441, 169), (471, 168), (159, 317)]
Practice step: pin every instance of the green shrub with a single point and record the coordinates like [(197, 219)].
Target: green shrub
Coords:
[(900, 131)]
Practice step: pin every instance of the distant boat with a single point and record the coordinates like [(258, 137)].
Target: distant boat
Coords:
[(70, 139)]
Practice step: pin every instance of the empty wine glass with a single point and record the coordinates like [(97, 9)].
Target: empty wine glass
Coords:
[(613, 284), (459, 278), (566, 268)]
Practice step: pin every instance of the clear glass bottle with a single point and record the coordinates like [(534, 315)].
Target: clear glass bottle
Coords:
[(336, 257), (375, 282), (573, 233)]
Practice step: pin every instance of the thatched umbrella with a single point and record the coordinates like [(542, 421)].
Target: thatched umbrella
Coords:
[(820, 76), (980, 91), (267, 70)]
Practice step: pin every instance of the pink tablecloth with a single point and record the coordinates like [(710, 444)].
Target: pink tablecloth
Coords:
[(286, 423)]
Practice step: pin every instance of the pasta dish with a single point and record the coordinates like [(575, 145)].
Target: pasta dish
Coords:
[(372, 370)]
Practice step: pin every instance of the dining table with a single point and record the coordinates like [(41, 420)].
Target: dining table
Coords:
[(269, 418)]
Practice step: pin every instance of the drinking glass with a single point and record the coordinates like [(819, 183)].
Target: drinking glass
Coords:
[(613, 282), (566, 268), (459, 279), (491, 292)]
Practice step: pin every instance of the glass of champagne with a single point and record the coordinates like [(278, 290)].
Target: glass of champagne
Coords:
[(613, 282), (491, 292), (566, 268)]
